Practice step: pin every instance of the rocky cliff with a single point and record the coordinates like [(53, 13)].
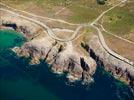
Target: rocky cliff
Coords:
[(118, 68), (62, 57), (69, 57)]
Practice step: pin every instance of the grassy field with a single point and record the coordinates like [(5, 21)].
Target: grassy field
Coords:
[(120, 21), (76, 11)]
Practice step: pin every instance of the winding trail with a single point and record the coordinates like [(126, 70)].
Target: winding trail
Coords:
[(116, 35), (93, 24), (58, 12), (49, 30), (99, 17), (102, 41), (51, 19)]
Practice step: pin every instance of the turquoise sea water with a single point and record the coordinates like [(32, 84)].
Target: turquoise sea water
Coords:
[(20, 81)]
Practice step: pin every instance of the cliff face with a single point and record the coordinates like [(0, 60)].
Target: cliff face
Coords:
[(62, 57), (119, 69), (68, 56)]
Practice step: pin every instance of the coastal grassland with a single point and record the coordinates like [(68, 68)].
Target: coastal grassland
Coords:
[(77, 11), (84, 11), (40, 7), (121, 47), (120, 21)]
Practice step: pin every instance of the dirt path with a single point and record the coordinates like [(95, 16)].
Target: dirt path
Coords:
[(116, 35), (51, 19), (52, 35), (101, 38)]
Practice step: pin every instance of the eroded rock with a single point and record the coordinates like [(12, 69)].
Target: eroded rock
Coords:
[(61, 56)]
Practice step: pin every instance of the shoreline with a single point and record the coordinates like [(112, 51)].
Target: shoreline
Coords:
[(106, 67), (117, 71), (56, 53)]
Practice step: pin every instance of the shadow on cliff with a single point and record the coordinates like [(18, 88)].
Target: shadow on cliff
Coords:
[(105, 86)]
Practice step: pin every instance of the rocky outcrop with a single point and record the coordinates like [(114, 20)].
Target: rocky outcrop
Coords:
[(64, 56), (61, 58), (41, 46), (118, 68)]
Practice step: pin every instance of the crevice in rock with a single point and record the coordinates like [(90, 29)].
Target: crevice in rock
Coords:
[(92, 54), (60, 48), (71, 64), (54, 44), (114, 70), (84, 65)]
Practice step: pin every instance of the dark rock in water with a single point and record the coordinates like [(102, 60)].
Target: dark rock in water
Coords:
[(13, 25)]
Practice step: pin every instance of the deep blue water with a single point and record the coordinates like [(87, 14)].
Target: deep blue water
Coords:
[(21, 81)]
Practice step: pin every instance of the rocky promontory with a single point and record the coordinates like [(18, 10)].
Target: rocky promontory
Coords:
[(78, 57), (117, 67), (61, 57)]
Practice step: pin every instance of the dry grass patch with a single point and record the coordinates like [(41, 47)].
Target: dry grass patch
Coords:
[(121, 47)]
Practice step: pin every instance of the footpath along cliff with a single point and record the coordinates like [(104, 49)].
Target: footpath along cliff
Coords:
[(77, 58), (61, 56)]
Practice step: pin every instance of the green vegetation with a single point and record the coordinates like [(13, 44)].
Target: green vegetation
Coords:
[(82, 14), (80, 11), (120, 21), (85, 11)]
